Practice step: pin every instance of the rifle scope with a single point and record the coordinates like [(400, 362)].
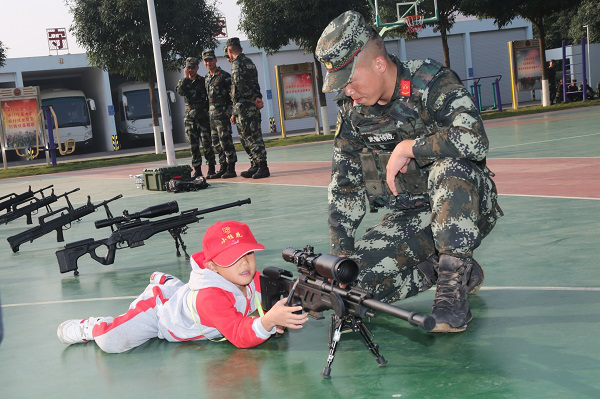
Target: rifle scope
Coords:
[(343, 270), (151, 212)]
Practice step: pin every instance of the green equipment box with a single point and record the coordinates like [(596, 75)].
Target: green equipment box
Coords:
[(156, 178)]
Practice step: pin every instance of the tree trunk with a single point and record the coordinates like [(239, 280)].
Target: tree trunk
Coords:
[(445, 47), (322, 98)]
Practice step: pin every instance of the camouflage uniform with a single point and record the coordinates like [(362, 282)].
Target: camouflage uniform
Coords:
[(197, 124), (218, 87), (244, 91), (447, 202)]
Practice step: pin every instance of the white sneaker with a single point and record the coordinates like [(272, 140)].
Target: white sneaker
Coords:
[(76, 331)]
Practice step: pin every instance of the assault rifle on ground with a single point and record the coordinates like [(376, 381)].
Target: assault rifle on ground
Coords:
[(317, 288), (12, 199), (33, 206), (67, 215), (129, 231)]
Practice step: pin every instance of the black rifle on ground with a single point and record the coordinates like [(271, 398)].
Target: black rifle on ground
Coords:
[(317, 289), (67, 215), (13, 199), (33, 206), (130, 231)]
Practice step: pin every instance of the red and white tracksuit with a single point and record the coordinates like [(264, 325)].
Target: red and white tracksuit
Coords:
[(207, 307)]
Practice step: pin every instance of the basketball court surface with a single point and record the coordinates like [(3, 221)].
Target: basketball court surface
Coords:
[(536, 320)]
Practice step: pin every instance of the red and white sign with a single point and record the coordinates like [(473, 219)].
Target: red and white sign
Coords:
[(19, 118), (222, 26), (57, 39)]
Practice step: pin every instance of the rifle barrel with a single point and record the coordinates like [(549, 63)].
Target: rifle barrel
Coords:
[(427, 323)]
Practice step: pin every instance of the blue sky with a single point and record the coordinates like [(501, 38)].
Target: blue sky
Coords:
[(24, 24)]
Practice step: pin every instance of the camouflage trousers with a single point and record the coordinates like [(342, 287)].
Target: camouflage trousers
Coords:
[(463, 210), (248, 124), (222, 139), (197, 130)]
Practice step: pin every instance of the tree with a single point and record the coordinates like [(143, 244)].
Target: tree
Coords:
[(272, 24), (116, 35), (588, 13), (2, 55), (534, 10)]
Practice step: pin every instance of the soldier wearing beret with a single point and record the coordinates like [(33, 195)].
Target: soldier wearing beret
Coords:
[(410, 139), (247, 103), (218, 88), (197, 124)]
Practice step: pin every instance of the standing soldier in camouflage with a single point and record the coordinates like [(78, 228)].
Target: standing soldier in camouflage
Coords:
[(197, 124), (247, 103), (218, 88), (409, 138)]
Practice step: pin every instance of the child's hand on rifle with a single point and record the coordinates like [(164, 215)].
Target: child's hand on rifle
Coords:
[(282, 316)]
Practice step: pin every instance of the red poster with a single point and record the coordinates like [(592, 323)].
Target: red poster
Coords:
[(18, 118), (298, 96)]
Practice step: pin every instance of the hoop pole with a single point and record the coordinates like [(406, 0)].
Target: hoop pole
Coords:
[(583, 65), (51, 144)]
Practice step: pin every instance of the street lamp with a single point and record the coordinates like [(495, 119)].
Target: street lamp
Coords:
[(587, 28)]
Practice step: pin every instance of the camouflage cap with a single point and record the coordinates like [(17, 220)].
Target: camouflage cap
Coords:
[(208, 54), (340, 43), (191, 61), (233, 41)]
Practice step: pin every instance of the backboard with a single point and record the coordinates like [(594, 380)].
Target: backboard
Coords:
[(407, 13)]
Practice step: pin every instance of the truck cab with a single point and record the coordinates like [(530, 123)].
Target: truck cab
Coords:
[(72, 109), (133, 113)]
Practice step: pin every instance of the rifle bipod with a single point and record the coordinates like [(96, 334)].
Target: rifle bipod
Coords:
[(176, 234), (349, 323)]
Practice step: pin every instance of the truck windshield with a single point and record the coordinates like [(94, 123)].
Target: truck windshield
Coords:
[(138, 104), (70, 111)]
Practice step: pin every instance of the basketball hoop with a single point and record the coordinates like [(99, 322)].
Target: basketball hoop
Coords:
[(414, 23)]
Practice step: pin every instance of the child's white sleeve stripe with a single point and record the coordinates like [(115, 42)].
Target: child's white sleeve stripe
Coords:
[(260, 330)]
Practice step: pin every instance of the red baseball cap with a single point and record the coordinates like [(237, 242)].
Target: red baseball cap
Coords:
[(226, 242)]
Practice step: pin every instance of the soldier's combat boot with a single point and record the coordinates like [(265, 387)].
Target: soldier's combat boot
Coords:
[(220, 173), (211, 170), (262, 172), (429, 273), (196, 172), (250, 172), (427, 269), (450, 308), (230, 172)]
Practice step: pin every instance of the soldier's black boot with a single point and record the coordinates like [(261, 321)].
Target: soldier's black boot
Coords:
[(262, 172), (429, 273), (218, 174), (211, 170), (196, 172), (450, 308), (230, 172), (250, 172)]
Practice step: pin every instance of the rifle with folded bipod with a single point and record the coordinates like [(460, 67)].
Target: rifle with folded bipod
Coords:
[(12, 199), (130, 231), (67, 215), (33, 206), (317, 288)]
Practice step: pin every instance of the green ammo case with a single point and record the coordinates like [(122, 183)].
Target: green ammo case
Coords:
[(156, 178)]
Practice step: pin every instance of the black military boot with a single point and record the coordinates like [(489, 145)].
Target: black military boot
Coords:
[(196, 172), (450, 308), (250, 172), (429, 272), (220, 173), (230, 171), (211, 170), (262, 172)]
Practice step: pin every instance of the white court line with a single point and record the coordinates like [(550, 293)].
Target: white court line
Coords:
[(118, 298), (547, 196), (545, 141)]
